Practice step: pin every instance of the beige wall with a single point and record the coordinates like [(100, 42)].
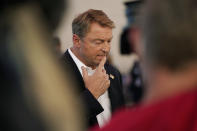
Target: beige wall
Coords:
[(115, 10)]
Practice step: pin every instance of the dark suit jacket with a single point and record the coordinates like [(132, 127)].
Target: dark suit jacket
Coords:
[(92, 106)]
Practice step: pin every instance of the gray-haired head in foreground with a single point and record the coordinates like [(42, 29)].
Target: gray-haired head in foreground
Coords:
[(169, 30)]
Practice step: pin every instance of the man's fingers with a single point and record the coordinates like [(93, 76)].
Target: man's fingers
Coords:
[(106, 76), (108, 83), (102, 63), (84, 72), (104, 71)]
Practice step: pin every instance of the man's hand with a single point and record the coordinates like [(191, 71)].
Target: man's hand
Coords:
[(99, 82)]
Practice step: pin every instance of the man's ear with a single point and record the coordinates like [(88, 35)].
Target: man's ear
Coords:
[(76, 41)]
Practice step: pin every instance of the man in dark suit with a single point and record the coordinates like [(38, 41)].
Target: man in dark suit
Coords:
[(99, 83)]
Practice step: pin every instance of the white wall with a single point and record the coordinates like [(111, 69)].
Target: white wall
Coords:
[(115, 10)]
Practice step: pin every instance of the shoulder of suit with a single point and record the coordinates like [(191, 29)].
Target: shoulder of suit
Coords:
[(112, 69)]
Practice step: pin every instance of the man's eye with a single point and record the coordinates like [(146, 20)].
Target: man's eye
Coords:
[(98, 42)]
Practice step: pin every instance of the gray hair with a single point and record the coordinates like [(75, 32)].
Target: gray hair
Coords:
[(169, 29)]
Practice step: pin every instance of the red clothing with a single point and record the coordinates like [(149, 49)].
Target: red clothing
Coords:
[(177, 113)]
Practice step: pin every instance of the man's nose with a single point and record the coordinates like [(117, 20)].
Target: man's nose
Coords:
[(106, 47)]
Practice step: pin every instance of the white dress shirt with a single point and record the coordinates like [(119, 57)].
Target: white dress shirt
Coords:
[(104, 100)]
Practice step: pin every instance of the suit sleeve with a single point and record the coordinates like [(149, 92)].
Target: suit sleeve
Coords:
[(92, 106)]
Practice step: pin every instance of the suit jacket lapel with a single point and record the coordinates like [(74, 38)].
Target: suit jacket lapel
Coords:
[(73, 68), (112, 90)]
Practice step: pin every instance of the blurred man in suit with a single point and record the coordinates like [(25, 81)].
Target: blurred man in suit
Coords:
[(100, 83), (166, 41)]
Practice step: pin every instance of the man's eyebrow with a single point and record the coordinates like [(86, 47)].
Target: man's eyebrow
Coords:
[(111, 38), (102, 40), (98, 40)]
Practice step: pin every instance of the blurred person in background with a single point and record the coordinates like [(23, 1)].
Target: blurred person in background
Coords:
[(100, 84), (35, 93), (167, 45), (57, 46), (132, 82)]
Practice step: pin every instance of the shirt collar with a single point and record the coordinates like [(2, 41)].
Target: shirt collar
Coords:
[(78, 62)]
